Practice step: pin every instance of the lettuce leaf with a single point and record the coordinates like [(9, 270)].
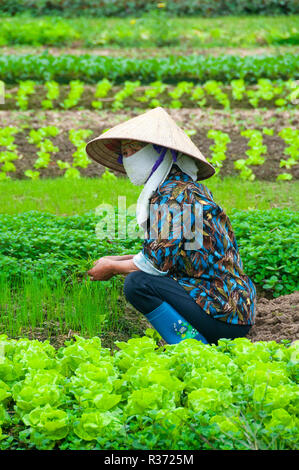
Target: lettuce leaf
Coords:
[(51, 422)]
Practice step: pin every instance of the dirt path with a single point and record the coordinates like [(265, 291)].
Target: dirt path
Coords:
[(187, 118), (145, 52)]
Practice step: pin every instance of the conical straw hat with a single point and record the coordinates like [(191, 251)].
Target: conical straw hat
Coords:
[(156, 127)]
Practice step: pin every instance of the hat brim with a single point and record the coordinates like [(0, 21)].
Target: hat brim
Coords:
[(106, 152)]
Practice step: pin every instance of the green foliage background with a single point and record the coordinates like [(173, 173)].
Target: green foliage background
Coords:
[(128, 7), (35, 243)]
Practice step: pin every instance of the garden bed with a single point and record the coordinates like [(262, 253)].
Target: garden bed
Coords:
[(171, 69), (65, 391), (266, 94), (235, 150), (276, 320)]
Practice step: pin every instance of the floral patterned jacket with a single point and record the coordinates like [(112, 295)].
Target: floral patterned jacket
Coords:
[(208, 265)]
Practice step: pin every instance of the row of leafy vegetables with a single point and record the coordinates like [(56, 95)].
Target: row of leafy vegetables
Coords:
[(236, 395), (172, 69), (40, 244)]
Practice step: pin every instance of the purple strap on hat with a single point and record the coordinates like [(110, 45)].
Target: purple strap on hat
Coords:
[(161, 151)]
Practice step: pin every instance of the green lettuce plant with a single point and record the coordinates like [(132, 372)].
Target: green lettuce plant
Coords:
[(127, 91), (39, 137), (238, 89), (219, 148), (181, 89), (78, 138), (273, 93), (255, 153), (7, 156), (84, 396), (25, 89), (291, 138), (102, 89), (74, 95), (53, 92), (151, 93), (213, 87), (265, 90)]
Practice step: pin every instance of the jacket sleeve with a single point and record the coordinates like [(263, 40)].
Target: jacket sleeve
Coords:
[(144, 264)]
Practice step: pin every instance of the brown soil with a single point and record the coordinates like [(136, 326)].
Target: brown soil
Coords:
[(235, 150), (277, 319), (88, 97), (187, 118)]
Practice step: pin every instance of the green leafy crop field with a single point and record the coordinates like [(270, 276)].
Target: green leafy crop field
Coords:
[(237, 395), (80, 368)]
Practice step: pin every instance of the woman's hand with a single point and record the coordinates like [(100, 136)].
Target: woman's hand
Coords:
[(102, 270), (106, 267), (115, 258)]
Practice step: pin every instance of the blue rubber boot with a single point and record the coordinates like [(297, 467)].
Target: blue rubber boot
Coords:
[(171, 325)]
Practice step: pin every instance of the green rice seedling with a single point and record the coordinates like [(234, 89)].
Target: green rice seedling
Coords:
[(4, 304), (89, 308)]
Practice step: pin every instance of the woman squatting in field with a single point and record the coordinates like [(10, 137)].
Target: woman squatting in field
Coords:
[(188, 279)]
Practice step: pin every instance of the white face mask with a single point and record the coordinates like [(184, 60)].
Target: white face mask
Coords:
[(139, 165)]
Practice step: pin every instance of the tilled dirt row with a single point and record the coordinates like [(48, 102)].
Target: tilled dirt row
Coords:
[(236, 149), (187, 118), (87, 98), (277, 319)]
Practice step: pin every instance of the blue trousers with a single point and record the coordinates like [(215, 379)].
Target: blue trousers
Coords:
[(146, 292)]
